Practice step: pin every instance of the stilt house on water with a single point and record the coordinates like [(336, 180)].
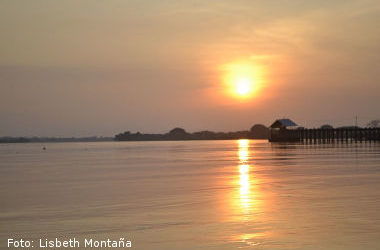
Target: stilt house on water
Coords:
[(284, 130)]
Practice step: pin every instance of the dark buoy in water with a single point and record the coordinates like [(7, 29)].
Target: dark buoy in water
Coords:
[(44, 148)]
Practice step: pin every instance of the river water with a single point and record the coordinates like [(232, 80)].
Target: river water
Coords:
[(247, 194)]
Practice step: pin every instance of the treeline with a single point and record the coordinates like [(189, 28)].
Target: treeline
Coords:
[(8, 139), (258, 131)]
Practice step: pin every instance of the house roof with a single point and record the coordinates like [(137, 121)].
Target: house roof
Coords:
[(281, 123)]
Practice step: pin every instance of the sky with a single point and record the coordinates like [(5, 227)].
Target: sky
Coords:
[(83, 68)]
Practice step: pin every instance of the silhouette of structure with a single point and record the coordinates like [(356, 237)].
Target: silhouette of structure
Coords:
[(344, 134), (285, 130)]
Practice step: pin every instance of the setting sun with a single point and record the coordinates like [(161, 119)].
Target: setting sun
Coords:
[(243, 86), (242, 80)]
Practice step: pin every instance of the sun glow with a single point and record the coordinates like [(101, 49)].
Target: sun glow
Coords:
[(243, 86), (242, 79)]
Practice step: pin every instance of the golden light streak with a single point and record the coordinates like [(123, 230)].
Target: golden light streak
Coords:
[(247, 198), (244, 182)]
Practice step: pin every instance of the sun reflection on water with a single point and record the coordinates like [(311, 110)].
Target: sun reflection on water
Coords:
[(244, 186), (246, 203), (244, 180)]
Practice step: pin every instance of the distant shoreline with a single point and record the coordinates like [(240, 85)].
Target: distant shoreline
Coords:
[(179, 134), (11, 139), (113, 140), (258, 131)]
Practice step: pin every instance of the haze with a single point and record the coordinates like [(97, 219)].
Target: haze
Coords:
[(78, 68)]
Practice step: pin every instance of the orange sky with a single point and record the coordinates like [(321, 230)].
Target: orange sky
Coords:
[(78, 68)]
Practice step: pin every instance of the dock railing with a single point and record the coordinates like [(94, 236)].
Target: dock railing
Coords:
[(326, 135)]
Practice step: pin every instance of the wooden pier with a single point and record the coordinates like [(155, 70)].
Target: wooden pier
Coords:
[(336, 135), (339, 135)]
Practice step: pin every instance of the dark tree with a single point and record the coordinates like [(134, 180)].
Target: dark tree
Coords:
[(177, 131), (259, 131), (327, 126), (374, 123)]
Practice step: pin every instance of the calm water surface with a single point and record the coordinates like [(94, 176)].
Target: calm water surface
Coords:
[(194, 194)]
